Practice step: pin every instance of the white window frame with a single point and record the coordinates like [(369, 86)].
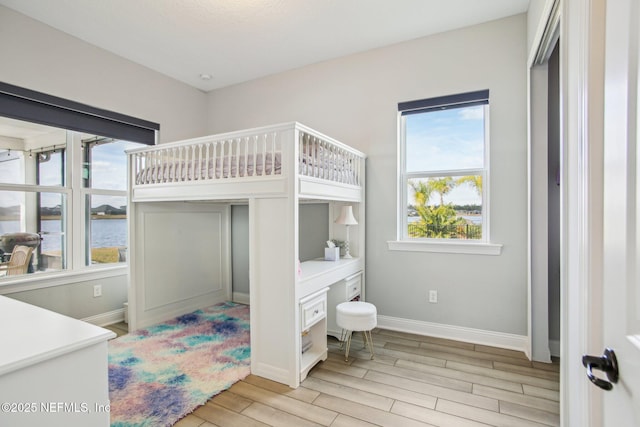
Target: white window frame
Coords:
[(85, 256), (404, 242), (76, 227)]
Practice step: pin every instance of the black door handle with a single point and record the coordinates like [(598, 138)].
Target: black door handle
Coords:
[(606, 363)]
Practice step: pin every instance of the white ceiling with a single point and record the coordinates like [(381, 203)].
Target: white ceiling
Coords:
[(239, 40)]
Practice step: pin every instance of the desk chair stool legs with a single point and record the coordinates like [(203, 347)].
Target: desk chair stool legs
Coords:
[(346, 335), (356, 316)]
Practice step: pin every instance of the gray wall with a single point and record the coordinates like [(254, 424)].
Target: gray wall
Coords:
[(240, 248), (76, 299), (41, 58), (354, 99), (313, 231)]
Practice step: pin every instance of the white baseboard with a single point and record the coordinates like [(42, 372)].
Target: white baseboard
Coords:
[(554, 347), (108, 318), (241, 297), (458, 333), (283, 376)]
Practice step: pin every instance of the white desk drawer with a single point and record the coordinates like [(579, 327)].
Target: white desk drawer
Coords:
[(313, 310), (353, 286)]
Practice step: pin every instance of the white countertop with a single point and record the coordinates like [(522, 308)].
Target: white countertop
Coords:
[(30, 334), (315, 267), (318, 273)]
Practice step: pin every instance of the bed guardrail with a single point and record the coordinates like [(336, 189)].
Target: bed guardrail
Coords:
[(325, 159), (248, 154), (202, 159)]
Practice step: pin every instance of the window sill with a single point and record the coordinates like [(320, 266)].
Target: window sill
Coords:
[(445, 247), (29, 282)]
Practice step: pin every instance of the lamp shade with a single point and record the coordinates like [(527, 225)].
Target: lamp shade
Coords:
[(346, 216)]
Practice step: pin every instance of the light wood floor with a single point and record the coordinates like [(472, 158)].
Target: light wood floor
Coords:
[(413, 381)]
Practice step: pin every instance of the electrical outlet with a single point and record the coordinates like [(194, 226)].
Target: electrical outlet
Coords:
[(97, 291), (433, 296)]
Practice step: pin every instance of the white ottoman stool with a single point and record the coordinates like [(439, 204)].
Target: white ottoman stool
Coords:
[(356, 316)]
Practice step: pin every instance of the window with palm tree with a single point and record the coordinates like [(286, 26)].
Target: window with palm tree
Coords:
[(443, 167), (443, 220)]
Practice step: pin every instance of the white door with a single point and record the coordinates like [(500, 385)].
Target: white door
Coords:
[(621, 269)]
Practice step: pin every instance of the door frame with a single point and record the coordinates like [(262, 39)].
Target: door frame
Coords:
[(582, 122), (537, 153), (582, 33)]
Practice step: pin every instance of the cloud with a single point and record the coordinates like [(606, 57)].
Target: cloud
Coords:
[(471, 113)]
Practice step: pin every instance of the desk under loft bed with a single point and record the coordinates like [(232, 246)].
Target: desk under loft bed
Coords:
[(180, 198)]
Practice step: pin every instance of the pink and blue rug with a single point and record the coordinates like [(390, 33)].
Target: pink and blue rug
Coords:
[(160, 374)]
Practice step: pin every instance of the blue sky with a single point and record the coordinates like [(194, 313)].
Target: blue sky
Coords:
[(109, 171), (451, 139), (109, 165)]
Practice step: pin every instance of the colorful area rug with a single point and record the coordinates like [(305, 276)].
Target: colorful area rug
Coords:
[(160, 374)]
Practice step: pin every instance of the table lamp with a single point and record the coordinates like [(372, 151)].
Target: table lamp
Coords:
[(346, 218)]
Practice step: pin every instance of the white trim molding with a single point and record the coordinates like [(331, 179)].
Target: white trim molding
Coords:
[(449, 247), (108, 318), (458, 333), (582, 47), (241, 297), (554, 348)]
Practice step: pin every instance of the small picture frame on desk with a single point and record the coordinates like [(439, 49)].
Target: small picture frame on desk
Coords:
[(332, 254)]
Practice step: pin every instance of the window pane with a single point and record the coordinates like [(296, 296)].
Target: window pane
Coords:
[(52, 230), (107, 229), (451, 139), (106, 164), (12, 167), (35, 220), (445, 207), (51, 166), (23, 145)]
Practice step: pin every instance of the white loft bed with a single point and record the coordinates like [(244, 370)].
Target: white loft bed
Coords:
[(180, 195), (237, 164)]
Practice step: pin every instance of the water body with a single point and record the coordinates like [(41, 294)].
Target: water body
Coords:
[(105, 233), (475, 219)]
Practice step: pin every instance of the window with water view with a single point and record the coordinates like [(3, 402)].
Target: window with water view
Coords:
[(59, 188)]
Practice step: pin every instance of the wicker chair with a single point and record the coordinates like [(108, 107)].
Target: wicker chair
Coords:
[(19, 261)]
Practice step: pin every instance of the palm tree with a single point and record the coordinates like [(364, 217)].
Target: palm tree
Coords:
[(435, 221), (422, 192), (421, 195), (474, 180), (442, 186), (443, 222)]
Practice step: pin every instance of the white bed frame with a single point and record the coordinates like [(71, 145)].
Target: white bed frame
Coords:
[(179, 228)]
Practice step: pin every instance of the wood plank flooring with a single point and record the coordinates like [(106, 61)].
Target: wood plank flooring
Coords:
[(412, 381)]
